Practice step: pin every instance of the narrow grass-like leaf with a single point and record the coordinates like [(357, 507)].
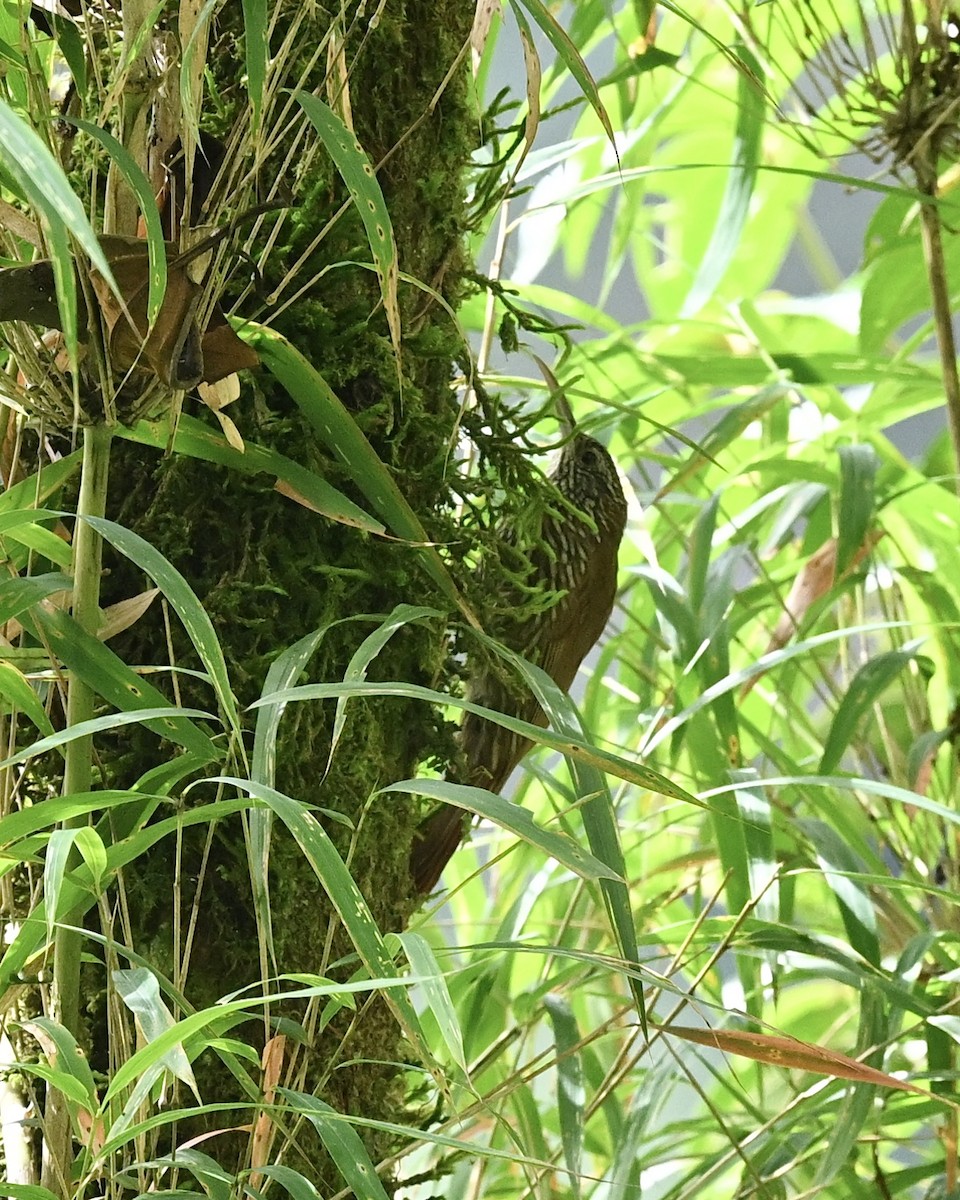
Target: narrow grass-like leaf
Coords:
[(36, 489), (860, 1100), (571, 1094), (337, 428), (570, 56), (93, 852), (191, 612), (344, 894), (840, 866), (65, 1055), (754, 809), (43, 184), (257, 52), (143, 190), (573, 747), (858, 471), (865, 688), (367, 651), (512, 817), (19, 593), (534, 75), (298, 1187), (351, 161), (25, 1191), (197, 440), (54, 865), (18, 693), (343, 1144), (282, 673), (424, 964), (36, 817), (735, 206), (162, 714), (112, 679)]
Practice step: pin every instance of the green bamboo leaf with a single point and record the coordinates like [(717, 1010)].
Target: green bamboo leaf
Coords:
[(343, 1144), (36, 489), (54, 867), (338, 430), (143, 190), (16, 690), (298, 1187), (68, 38), (139, 989), (840, 866), (514, 818), (187, 1028), (741, 181), (344, 894), (257, 53), (755, 820), (571, 1093), (57, 809), (65, 1056), (43, 184), (699, 553), (858, 472), (93, 852), (120, 686), (572, 746), (164, 715), (19, 593), (25, 1191), (197, 440), (364, 655), (423, 963), (860, 1100), (358, 174), (282, 673), (570, 57), (43, 542), (188, 608), (865, 688)]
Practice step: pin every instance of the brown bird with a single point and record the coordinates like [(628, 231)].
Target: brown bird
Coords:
[(577, 556)]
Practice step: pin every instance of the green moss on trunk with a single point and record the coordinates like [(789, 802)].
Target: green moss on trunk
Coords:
[(269, 572)]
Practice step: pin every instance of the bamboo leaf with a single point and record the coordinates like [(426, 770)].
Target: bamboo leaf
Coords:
[(571, 58), (865, 688), (358, 174), (571, 1093)]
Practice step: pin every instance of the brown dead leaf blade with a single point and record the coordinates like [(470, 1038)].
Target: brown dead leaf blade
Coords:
[(174, 348)]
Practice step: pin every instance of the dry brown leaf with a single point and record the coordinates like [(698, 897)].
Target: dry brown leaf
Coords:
[(120, 616), (813, 581), (482, 19), (230, 431), (791, 1053), (271, 1063), (218, 395)]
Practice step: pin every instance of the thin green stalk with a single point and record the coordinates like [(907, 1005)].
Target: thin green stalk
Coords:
[(77, 777), (942, 308)]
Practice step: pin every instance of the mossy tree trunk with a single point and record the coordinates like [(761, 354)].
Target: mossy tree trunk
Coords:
[(269, 572)]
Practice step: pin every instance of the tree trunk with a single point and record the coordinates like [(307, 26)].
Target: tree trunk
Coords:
[(269, 572)]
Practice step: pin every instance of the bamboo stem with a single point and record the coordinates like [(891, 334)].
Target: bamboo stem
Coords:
[(77, 777), (942, 309)]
